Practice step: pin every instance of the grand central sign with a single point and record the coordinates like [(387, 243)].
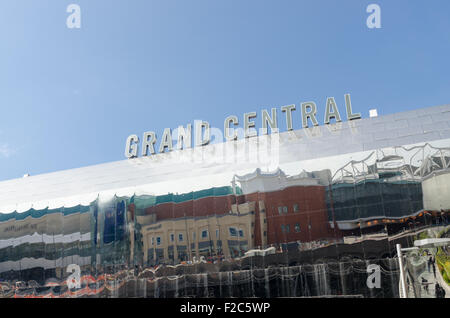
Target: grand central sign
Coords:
[(202, 131)]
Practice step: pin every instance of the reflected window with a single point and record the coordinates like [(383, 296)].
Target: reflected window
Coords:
[(241, 233), (285, 228), (205, 234), (282, 209), (297, 228), (158, 240), (233, 231), (296, 209), (180, 237), (172, 237)]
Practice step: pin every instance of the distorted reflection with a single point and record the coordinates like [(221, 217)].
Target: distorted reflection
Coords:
[(262, 234)]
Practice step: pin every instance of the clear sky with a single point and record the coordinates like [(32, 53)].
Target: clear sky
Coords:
[(70, 97)]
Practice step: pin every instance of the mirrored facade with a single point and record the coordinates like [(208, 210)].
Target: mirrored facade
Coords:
[(314, 212)]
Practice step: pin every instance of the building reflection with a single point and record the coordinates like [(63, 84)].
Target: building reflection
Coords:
[(263, 218)]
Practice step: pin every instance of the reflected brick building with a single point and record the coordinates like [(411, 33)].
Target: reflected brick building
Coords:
[(289, 208), (283, 209)]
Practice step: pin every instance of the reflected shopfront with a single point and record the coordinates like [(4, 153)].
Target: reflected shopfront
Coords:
[(337, 200)]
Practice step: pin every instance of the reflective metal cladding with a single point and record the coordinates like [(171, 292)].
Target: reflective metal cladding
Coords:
[(311, 212)]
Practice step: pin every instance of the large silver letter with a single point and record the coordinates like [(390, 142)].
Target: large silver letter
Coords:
[(288, 109), (201, 140), (249, 124), (131, 147), (148, 143), (184, 137), (166, 141), (309, 114), (348, 105), (271, 121), (332, 111), (228, 120)]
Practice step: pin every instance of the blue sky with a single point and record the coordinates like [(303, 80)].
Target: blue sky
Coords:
[(70, 97)]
